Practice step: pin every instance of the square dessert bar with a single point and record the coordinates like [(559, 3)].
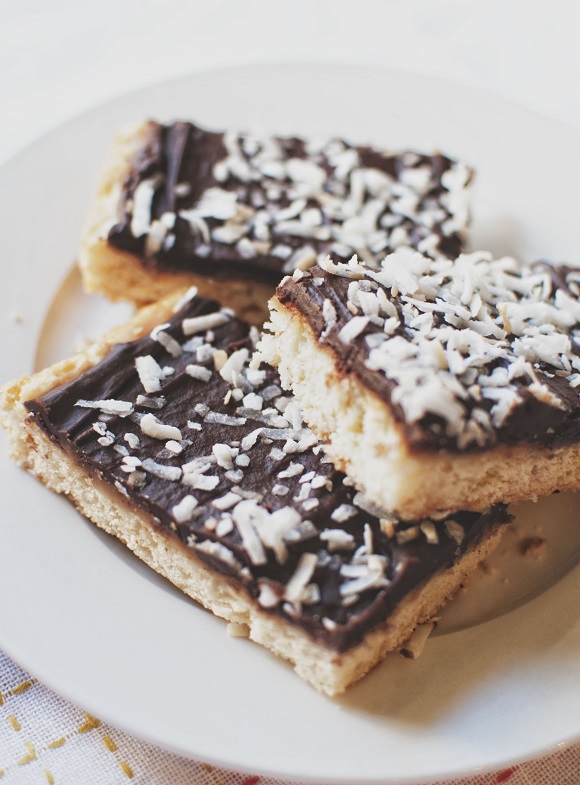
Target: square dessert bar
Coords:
[(164, 436), (179, 205), (437, 385)]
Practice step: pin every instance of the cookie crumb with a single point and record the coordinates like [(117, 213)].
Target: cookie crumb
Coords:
[(487, 568), (238, 630), (414, 646), (533, 547)]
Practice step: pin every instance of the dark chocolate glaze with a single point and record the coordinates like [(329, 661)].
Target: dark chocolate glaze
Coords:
[(184, 153), (532, 422), (409, 565)]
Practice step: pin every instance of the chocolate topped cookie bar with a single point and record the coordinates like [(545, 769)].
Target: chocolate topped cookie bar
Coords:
[(233, 212), (437, 384), (165, 436)]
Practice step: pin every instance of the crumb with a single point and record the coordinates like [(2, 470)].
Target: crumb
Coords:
[(236, 630), (15, 317), (414, 646), (487, 568), (534, 547)]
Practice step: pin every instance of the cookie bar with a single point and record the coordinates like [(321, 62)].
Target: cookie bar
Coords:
[(438, 385), (163, 435), (232, 212)]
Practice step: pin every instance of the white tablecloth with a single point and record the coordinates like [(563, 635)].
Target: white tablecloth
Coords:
[(44, 739), (59, 57)]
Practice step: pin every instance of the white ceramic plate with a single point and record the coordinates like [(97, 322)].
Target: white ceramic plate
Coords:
[(499, 683)]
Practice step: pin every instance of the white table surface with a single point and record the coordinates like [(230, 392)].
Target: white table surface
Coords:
[(58, 57)]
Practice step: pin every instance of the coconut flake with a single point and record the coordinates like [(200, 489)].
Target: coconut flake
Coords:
[(142, 201), (183, 511), (174, 447), (227, 501), (132, 440), (166, 340), (224, 419), (267, 598), (301, 576), (150, 373), (199, 324), (171, 473), (200, 481), (151, 426), (244, 514), (343, 513), (233, 365), (337, 539), (109, 406), (198, 372), (293, 470), (224, 455)]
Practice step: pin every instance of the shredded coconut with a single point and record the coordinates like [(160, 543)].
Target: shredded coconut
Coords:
[(459, 339)]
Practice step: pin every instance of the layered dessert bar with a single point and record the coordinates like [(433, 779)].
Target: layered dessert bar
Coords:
[(436, 384), (233, 212), (164, 436)]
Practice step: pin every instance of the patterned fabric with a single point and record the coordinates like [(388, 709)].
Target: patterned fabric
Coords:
[(46, 741)]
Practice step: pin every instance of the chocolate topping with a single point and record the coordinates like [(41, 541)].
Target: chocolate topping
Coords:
[(244, 206), (217, 456), (506, 382)]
